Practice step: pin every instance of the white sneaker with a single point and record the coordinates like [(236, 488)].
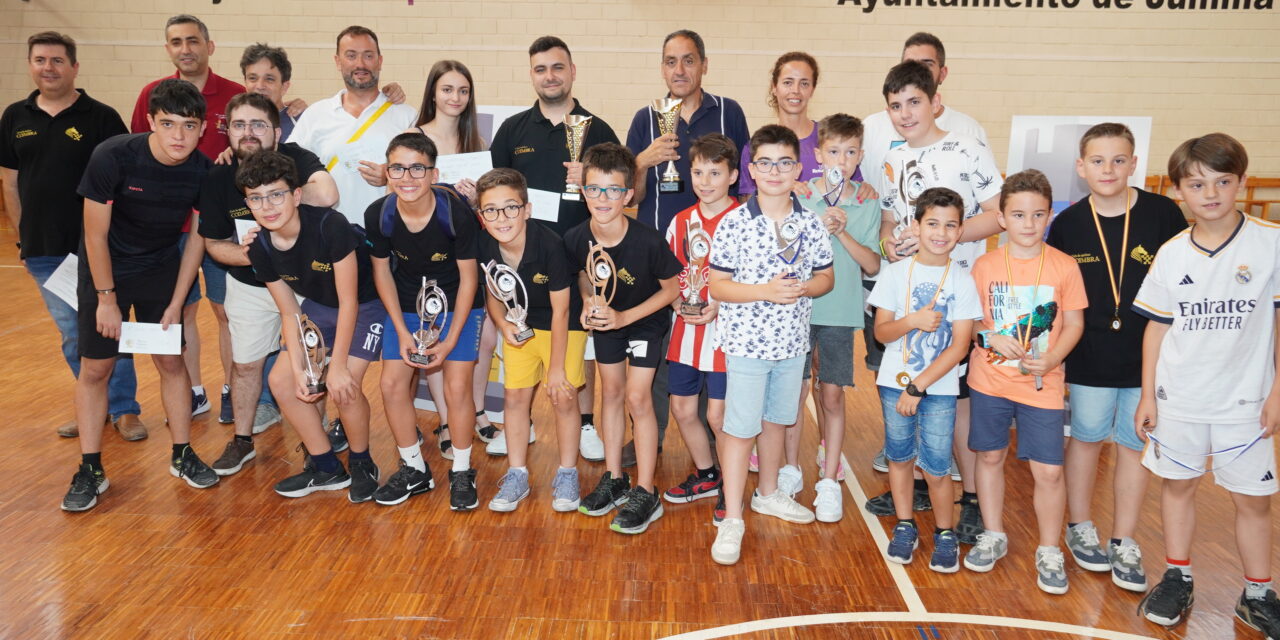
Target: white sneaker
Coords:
[(828, 503), (780, 505), (590, 445), (728, 545), (498, 446), (790, 480)]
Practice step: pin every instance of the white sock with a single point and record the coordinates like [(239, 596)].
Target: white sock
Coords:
[(524, 470), (412, 456), (226, 388), (461, 458), (198, 389)]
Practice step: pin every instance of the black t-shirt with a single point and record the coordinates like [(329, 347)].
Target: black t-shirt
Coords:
[(544, 267), (1105, 358), (325, 237), (642, 259), (151, 203), (221, 203), (528, 143), (50, 155), (429, 253)]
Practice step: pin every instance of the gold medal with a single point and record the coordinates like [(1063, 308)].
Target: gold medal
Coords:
[(1115, 321), (1112, 280), (904, 379)]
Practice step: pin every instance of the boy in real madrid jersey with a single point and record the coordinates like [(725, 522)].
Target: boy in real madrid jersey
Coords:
[(1209, 391)]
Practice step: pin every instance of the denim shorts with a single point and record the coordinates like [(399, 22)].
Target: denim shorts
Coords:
[(1039, 430), (924, 437), (215, 278), (761, 390), (1099, 414)]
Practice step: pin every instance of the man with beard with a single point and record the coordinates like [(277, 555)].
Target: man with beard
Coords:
[(254, 125), (350, 131)]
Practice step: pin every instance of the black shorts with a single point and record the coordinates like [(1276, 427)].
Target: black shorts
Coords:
[(639, 346), (146, 294)]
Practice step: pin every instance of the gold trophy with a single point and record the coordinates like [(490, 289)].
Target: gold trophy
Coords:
[(668, 112), (431, 307), (505, 285), (603, 275), (314, 354), (697, 248), (575, 136)]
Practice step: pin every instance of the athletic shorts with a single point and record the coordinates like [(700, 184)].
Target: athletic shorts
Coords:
[(1039, 430), (254, 322), (366, 342), (684, 380), (146, 295), (639, 348), (526, 365), (834, 348), (466, 350), (1189, 443)]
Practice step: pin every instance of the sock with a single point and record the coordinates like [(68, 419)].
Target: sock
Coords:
[(563, 469), (226, 388), (921, 485), (1181, 565), (178, 447), (524, 470), (412, 456), (198, 389), (910, 521), (461, 459), (937, 531), (94, 460), (353, 455), (1044, 549), (710, 473), (588, 418), (326, 462), (998, 535), (1072, 525), (244, 438), (966, 496), (1256, 588), (1117, 541)]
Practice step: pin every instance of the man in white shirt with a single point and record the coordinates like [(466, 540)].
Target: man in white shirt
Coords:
[(350, 131)]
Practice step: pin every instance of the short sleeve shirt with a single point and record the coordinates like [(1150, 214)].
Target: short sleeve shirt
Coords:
[(1217, 360), (879, 137), (324, 238), (150, 202), (217, 92), (837, 308), (642, 260), (746, 246), (694, 345), (50, 154), (544, 268), (430, 252)]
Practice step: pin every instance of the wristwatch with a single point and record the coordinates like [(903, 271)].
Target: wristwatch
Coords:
[(984, 339), (914, 391)]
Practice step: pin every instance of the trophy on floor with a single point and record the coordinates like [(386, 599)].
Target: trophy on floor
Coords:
[(431, 307), (697, 247), (505, 285), (668, 112), (790, 242), (603, 275), (314, 354), (575, 137)]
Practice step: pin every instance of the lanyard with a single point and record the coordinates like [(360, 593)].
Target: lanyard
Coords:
[(1106, 255), (360, 132), (1160, 449), (904, 378), (1025, 341)]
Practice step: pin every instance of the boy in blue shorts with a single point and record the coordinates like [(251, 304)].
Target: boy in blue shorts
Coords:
[(419, 233), (300, 251), (769, 258), (925, 311), (1209, 388)]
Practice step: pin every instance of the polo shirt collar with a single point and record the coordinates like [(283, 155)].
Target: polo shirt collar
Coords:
[(539, 117), (212, 86), (377, 102), (753, 206), (709, 102), (78, 105)]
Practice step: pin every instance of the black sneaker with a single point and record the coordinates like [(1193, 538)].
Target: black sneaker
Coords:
[(199, 403), (191, 468), (225, 413), (969, 524), (695, 487), (609, 493), (717, 514), (405, 482), (1262, 613), (364, 480), (882, 505), (1168, 602), (337, 436), (462, 490), (486, 433), (641, 509), (442, 438), (312, 480), (86, 486)]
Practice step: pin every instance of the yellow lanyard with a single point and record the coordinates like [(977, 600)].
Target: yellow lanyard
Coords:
[(1106, 255), (333, 162), (903, 377), (1025, 341)]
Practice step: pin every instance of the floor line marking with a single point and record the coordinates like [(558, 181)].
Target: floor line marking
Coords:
[(903, 617)]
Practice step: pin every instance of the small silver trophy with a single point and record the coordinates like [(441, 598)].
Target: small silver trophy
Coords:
[(314, 354), (697, 248), (431, 308), (835, 185), (505, 285), (790, 242)]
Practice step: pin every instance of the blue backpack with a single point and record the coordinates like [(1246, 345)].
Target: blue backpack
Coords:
[(444, 211)]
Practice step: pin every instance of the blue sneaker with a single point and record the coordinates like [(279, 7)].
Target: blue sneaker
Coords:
[(946, 552), (904, 543)]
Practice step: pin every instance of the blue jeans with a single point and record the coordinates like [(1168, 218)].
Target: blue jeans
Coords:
[(123, 388)]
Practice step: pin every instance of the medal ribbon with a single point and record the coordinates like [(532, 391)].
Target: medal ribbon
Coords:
[(1106, 254), (1025, 341)]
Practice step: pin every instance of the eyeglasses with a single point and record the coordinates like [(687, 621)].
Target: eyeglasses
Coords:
[(275, 198), (415, 170), (613, 193), (509, 211), (257, 127), (766, 166)]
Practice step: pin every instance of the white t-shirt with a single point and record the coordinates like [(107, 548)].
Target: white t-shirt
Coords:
[(1217, 361), (879, 137), (959, 162), (324, 129), (958, 301)]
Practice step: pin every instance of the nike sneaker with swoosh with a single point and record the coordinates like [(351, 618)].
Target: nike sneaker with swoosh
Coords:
[(403, 484), (312, 480)]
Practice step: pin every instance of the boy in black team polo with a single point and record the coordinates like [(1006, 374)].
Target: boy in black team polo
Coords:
[(314, 253), (139, 192)]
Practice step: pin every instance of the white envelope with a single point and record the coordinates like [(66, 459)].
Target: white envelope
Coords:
[(243, 226), (62, 282), (148, 337), (455, 167), (546, 205)]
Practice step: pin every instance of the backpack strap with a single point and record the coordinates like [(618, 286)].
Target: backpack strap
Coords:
[(444, 208), (387, 219)]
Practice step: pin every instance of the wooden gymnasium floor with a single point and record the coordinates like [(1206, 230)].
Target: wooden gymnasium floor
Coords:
[(157, 559)]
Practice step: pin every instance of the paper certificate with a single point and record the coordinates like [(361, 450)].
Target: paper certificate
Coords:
[(243, 226), (148, 337), (546, 205), (455, 167), (62, 282)]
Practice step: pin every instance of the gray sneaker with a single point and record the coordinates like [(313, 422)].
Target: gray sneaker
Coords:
[(983, 556), (1126, 566), (880, 462), (565, 491), (266, 415), (1082, 540), (512, 488), (1051, 577)]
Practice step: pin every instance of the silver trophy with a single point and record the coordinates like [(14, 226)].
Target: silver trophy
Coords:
[(835, 185), (431, 308), (505, 285), (697, 248), (790, 242), (314, 354)]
